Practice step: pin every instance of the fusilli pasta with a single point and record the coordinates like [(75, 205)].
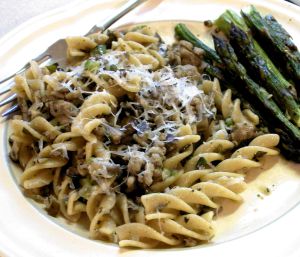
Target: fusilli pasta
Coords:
[(141, 148)]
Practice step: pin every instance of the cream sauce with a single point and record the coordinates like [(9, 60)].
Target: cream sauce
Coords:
[(272, 190)]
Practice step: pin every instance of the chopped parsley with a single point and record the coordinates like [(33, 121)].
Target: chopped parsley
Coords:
[(229, 122), (52, 68), (166, 173), (201, 162), (258, 155), (91, 65), (98, 50)]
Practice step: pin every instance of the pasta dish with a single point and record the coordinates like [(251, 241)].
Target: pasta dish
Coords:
[(136, 138)]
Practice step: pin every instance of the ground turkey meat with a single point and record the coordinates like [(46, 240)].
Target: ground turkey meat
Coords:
[(62, 108), (135, 165), (243, 131)]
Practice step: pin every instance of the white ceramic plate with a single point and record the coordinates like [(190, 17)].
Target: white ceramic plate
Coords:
[(259, 227)]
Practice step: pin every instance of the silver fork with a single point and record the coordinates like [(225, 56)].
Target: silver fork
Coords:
[(56, 53)]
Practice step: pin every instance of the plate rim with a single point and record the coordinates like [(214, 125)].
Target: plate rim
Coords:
[(59, 11)]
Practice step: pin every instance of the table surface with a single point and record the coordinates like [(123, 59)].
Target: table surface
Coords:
[(15, 12)]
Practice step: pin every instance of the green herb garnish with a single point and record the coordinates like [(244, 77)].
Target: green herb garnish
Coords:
[(91, 65), (201, 162), (113, 67), (52, 68), (98, 50), (229, 122), (258, 155), (166, 173)]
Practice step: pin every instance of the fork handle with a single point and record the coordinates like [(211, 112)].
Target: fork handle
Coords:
[(130, 5)]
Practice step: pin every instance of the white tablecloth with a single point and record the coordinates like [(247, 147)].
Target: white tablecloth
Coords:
[(15, 12)]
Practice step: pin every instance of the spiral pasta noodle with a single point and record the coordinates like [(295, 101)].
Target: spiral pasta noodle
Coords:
[(140, 149)]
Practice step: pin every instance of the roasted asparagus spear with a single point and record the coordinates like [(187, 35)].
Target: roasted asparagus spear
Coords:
[(276, 42), (184, 33), (268, 109), (259, 65), (211, 57)]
